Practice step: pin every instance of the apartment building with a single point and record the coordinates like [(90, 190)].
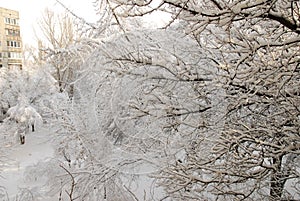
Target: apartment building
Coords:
[(10, 39)]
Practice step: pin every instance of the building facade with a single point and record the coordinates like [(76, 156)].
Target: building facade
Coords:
[(10, 39)]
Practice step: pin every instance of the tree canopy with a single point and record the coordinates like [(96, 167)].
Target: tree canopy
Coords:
[(207, 107)]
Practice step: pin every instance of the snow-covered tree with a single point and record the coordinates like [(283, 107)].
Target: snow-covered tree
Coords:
[(8, 90), (24, 113), (122, 121), (24, 100), (62, 48), (253, 151), (209, 108)]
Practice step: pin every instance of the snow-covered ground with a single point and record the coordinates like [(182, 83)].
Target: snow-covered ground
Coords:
[(19, 159)]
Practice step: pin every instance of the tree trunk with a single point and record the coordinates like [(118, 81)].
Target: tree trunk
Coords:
[(278, 179)]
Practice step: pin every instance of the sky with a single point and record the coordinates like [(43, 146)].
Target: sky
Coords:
[(30, 12)]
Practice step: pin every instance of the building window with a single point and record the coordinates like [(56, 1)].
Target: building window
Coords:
[(12, 32), (16, 44), (14, 55), (7, 20), (11, 21)]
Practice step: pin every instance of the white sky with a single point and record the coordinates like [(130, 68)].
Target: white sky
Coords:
[(31, 11)]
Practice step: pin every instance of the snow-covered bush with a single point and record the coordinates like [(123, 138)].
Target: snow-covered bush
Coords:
[(24, 113)]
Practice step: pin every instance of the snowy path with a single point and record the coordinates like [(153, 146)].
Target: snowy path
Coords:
[(37, 148)]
